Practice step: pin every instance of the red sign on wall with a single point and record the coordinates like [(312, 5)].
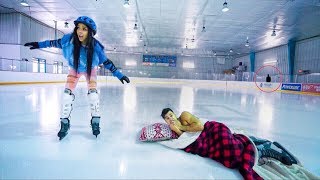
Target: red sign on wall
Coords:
[(312, 87)]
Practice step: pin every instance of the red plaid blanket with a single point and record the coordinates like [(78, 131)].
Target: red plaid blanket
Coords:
[(232, 150)]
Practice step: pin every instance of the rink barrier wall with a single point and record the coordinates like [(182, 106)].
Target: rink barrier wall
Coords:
[(22, 78)]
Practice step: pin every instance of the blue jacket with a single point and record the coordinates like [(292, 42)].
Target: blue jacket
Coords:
[(99, 57)]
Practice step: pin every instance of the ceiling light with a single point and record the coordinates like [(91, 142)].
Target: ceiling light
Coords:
[(24, 3), (135, 26), (131, 63), (215, 53), (231, 50), (146, 51), (203, 29), (273, 33), (66, 25), (247, 43), (114, 49), (126, 3), (270, 62), (225, 7)]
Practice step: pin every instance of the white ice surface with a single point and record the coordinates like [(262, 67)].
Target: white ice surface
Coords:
[(29, 122)]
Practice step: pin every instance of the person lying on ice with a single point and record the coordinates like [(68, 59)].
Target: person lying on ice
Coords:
[(216, 141)]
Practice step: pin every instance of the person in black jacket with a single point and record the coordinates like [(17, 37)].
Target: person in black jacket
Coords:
[(268, 79)]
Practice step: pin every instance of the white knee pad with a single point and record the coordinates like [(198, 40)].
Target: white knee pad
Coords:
[(93, 97), (67, 100)]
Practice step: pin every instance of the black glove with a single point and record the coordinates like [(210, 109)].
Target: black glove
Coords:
[(34, 45), (125, 78)]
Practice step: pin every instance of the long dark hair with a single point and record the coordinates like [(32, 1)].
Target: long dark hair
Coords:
[(76, 50)]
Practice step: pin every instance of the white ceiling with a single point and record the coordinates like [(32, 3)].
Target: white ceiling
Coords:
[(171, 25)]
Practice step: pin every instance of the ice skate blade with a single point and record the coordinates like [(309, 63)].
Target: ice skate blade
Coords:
[(291, 157), (96, 134), (61, 136)]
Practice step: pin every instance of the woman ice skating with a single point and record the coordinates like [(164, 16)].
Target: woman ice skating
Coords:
[(84, 53)]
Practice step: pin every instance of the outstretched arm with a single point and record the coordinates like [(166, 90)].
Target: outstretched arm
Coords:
[(44, 44), (108, 64)]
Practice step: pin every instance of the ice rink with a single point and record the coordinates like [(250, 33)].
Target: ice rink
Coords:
[(29, 123)]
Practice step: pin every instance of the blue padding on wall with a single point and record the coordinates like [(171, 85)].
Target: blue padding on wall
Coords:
[(291, 55), (252, 61)]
